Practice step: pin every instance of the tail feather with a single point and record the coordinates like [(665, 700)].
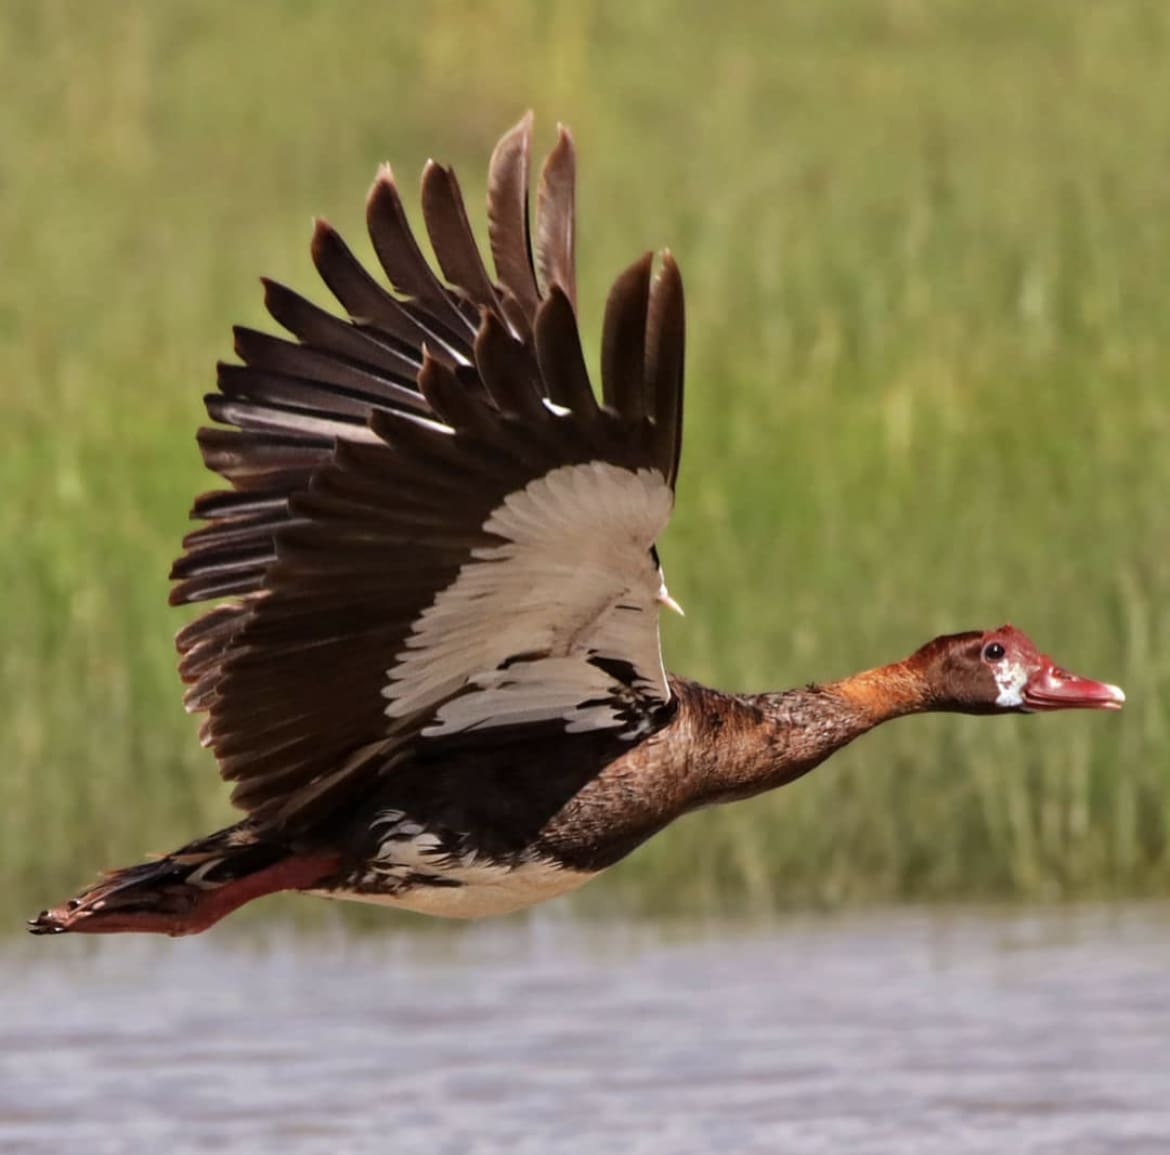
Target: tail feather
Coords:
[(187, 891)]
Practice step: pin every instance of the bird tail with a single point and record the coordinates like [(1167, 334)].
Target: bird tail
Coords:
[(187, 891)]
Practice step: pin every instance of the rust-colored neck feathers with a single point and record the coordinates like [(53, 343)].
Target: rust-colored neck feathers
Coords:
[(885, 692)]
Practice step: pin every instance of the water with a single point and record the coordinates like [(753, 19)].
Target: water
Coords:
[(887, 1034)]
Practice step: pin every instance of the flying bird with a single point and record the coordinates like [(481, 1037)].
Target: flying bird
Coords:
[(431, 667)]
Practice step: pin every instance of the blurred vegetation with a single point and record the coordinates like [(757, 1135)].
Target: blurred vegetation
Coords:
[(926, 247)]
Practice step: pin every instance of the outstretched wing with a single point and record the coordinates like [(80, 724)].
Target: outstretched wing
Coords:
[(434, 528)]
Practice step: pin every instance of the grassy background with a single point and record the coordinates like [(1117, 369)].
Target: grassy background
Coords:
[(926, 247)]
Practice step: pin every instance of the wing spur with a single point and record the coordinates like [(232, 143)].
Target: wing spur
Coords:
[(433, 527)]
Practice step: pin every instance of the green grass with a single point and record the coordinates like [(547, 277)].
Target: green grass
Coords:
[(926, 248)]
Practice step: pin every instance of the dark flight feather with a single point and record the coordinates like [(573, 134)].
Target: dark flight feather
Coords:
[(623, 341), (509, 371), (363, 298), (556, 219), (665, 345), (313, 326), (452, 238), (400, 255), (508, 233), (559, 355)]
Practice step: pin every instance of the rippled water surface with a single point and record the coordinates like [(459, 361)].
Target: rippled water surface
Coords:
[(885, 1033)]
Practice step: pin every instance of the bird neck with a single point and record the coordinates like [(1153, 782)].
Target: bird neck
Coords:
[(885, 692), (768, 740)]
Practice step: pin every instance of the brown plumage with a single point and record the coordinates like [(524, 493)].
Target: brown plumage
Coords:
[(433, 672)]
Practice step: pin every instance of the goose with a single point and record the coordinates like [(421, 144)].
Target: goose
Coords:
[(431, 667)]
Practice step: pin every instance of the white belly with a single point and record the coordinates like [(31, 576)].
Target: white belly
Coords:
[(484, 890)]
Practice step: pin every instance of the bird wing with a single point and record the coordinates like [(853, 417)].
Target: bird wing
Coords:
[(433, 527)]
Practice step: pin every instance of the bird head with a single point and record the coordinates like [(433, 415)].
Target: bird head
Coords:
[(1001, 671)]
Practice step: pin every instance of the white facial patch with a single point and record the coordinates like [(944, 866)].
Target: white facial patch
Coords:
[(1011, 678)]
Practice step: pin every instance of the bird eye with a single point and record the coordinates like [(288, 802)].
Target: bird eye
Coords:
[(993, 652)]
